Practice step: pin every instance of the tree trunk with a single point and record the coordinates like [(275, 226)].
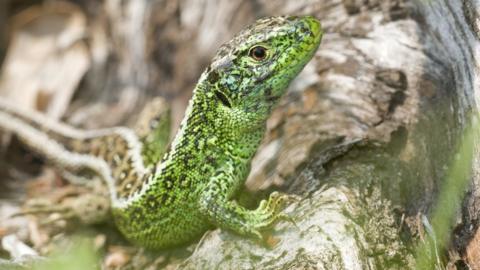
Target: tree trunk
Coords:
[(365, 136)]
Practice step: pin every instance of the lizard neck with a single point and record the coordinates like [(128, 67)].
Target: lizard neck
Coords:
[(213, 135)]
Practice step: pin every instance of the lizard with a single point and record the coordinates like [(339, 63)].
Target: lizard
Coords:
[(161, 199)]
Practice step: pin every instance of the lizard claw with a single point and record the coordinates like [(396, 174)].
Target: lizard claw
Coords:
[(287, 218)]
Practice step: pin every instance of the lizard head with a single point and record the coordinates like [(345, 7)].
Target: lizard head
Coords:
[(251, 72)]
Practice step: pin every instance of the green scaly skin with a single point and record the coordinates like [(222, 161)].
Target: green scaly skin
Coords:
[(191, 189)]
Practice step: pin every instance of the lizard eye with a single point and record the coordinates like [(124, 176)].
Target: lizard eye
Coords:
[(258, 53)]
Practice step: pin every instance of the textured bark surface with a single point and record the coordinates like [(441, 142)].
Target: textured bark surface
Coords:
[(363, 138)]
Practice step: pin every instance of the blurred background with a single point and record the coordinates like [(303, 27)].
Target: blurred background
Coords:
[(95, 64), (113, 55), (360, 124), (58, 55)]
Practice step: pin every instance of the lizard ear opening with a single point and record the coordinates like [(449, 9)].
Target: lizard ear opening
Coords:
[(223, 99)]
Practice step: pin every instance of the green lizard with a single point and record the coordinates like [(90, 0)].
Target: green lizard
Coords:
[(158, 202)]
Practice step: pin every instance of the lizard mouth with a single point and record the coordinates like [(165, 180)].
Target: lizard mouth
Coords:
[(315, 27), (307, 34)]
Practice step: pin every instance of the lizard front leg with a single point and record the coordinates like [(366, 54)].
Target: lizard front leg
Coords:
[(221, 210)]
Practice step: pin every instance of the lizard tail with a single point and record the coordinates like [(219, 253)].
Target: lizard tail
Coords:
[(106, 152)]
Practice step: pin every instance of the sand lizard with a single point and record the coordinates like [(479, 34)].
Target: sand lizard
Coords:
[(161, 200)]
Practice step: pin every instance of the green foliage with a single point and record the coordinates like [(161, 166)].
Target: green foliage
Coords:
[(80, 257), (448, 203)]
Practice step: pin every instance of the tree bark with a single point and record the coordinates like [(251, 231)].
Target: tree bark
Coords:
[(364, 137), (400, 77)]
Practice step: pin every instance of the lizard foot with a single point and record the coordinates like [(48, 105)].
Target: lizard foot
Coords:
[(267, 214)]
